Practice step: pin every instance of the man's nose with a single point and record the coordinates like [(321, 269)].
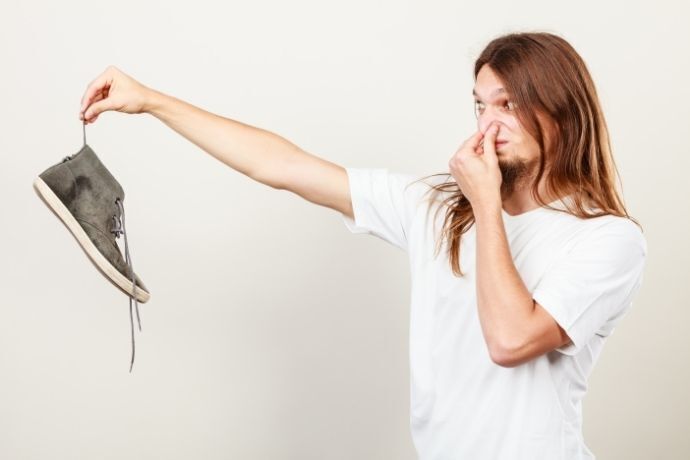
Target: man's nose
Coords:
[(486, 118)]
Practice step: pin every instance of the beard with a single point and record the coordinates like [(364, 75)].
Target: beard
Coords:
[(516, 174)]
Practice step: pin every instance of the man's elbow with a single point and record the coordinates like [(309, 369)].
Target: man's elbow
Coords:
[(503, 358), (507, 355), (514, 355)]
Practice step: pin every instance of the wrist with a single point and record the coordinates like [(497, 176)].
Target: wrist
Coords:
[(154, 101), (488, 209)]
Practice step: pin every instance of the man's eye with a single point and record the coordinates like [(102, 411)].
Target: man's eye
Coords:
[(479, 106)]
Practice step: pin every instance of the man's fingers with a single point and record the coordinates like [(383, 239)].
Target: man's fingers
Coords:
[(475, 140), (95, 90), (489, 143), (95, 109), (96, 98)]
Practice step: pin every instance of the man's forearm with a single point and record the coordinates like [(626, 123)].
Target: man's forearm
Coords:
[(504, 303), (253, 151)]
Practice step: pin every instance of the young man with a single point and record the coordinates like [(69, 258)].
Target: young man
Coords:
[(542, 257)]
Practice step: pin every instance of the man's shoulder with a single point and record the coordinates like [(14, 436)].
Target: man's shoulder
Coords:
[(612, 224), (615, 233), (605, 222), (576, 231)]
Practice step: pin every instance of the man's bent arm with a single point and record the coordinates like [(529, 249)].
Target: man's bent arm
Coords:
[(515, 327)]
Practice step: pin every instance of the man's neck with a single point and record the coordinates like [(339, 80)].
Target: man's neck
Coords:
[(520, 200)]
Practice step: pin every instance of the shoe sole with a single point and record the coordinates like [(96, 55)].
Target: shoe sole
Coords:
[(106, 268)]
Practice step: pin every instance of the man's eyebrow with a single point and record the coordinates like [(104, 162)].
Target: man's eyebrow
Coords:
[(497, 91)]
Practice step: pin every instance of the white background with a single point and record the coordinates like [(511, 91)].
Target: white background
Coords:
[(272, 332)]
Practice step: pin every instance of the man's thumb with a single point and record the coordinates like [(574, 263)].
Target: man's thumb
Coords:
[(97, 108)]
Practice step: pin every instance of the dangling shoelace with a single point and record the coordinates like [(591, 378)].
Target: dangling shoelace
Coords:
[(118, 228)]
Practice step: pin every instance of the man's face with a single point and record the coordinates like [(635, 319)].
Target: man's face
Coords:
[(517, 151)]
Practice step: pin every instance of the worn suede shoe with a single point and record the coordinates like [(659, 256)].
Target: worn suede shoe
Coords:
[(88, 199)]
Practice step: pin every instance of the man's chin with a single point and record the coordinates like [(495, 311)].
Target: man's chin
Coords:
[(513, 172)]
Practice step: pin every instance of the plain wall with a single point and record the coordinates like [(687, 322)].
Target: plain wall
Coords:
[(272, 332)]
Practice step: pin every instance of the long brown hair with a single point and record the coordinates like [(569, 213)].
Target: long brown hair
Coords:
[(544, 74)]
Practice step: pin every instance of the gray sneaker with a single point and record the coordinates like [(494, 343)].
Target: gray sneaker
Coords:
[(89, 201)]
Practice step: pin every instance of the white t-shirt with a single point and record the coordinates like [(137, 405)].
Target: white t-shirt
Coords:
[(584, 272)]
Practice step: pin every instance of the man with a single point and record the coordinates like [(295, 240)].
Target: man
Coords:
[(499, 354)]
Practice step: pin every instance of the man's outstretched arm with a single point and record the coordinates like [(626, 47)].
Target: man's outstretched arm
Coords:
[(255, 152)]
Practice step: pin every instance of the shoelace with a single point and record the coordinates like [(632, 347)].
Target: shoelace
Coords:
[(118, 228)]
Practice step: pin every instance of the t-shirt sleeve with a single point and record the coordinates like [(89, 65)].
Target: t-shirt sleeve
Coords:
[(592, 286), (383, 204)]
